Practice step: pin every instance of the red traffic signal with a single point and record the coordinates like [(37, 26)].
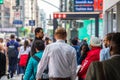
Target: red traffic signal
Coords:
[(59, 16)]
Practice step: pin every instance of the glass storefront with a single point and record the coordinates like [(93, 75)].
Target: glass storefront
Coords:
[(111, 19)]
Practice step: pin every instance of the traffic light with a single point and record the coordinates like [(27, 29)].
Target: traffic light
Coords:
[(1, 1), (17, 2)]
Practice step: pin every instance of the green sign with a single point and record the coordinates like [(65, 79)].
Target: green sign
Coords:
[(1, 1)]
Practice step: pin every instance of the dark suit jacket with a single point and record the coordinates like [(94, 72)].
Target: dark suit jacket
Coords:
[(2, 64), (106, 70), (33, 51)]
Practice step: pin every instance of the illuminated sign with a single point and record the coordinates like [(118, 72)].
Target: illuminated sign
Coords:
[(78, 2), (63, 16), (83, 8)]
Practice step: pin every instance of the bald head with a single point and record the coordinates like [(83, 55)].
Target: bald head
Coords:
[(60, 33)]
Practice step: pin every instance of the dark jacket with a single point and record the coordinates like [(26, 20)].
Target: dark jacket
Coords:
[(32, 52), (2, 64), (106, 70), (77, 53)]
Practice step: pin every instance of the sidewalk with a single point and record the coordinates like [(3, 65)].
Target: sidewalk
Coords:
[(16, 77)]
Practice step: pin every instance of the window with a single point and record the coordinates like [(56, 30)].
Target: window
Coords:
[(112, 24)]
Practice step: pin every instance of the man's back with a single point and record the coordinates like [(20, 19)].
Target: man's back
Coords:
[(61, 56), (61, 60), (106, 70), (112, 68)]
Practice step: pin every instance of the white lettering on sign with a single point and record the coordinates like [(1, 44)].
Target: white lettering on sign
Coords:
[(84, 2), (84, 9)]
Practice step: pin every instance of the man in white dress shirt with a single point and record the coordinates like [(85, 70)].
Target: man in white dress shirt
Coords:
[(60, 58)]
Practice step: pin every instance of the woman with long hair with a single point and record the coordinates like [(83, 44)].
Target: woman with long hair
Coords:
[(23, 55)]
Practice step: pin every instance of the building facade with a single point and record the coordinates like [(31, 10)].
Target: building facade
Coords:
[(111, 13), (5, 14), (30, 12)]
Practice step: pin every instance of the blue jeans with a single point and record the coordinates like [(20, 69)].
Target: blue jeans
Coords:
[(12, 65), (22, 69)]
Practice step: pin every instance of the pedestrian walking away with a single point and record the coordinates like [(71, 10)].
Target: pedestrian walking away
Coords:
[(30, 73), (12, 51), (60, 58)]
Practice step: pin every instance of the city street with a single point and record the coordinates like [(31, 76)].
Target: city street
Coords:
[(59, 39)]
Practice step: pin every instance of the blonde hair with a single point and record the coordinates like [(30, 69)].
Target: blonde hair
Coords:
[(60, 32)]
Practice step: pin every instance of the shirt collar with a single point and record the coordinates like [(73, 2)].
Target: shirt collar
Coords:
[(63, 41)]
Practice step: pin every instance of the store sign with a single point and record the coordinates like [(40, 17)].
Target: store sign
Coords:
[(17, 22), (83, 8), (78, 2), (31, 22)]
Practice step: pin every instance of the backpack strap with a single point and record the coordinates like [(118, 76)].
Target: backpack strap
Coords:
[(36, 58), (12, 43)]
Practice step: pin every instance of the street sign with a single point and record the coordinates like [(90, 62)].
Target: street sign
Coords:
[(78, 2), (31, 22), (83, 8), (17, 22)]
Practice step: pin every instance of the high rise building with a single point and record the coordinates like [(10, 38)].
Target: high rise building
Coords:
[(30, 10), (5, 14)]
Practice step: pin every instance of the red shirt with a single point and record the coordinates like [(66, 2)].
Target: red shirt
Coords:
[(92, 55)]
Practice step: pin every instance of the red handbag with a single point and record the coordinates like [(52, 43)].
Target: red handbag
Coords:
[(23, 60)]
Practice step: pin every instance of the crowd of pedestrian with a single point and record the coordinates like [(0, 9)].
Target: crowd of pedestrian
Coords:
[(39, 59)]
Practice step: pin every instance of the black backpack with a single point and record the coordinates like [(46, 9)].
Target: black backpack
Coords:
[(12, 52)]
